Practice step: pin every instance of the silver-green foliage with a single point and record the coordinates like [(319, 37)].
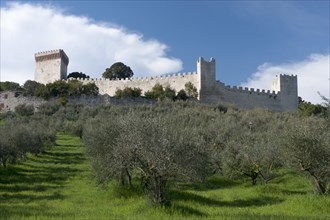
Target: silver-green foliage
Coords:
[(19, 137), (252, 148), (307, 147), (160, 147)]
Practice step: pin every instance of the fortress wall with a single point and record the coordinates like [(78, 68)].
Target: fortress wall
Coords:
[(52, 66), (10, 99), (245, 97), (175, 81)]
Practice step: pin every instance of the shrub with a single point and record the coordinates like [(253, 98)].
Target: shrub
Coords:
[(128, 92), (191, 90), (9, 86), (161, 93), (24, 110), (32, 88), (182, 95)]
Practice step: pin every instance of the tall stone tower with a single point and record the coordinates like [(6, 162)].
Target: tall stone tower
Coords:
[(287, 86), (50, 66), (206, 71)]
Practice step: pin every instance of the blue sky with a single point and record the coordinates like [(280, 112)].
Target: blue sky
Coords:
[(250, 40)]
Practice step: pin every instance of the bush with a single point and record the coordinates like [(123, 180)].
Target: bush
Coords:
[(24, 110), (48, 108), (128, 92), (65, 89), (161, 93), (9, 86), (182, 95), (191, 90), (32, 88)]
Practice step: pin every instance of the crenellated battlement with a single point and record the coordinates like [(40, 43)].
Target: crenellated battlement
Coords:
[(51, 66), (51, 55), (287, 75), (150, 78), (251, 91), (283, 95)]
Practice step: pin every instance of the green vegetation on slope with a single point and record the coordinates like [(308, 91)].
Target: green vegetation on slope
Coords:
[(58, 184)]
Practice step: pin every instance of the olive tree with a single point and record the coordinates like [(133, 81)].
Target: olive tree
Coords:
[(252, 149), (164, 150), (24, 110), (7, 150), (160, 147), (18, 137), (306, 147)]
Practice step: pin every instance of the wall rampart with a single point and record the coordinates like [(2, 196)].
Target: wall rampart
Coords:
[(175, 81), (245, 97), (51, 66), (10, 99)]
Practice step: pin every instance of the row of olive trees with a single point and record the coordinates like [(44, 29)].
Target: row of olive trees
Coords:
[(28, 131), (171, 142), (180, 141), (19, 136)]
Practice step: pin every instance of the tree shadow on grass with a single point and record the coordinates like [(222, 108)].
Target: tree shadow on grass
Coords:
[(184, 211), (37, 180), (59, 157), (210, 184), (293, 192), (11, 212), (37, 175), (31, 198), (257, 201)]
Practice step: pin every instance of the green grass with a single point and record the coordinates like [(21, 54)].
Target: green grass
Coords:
[(58, 185)]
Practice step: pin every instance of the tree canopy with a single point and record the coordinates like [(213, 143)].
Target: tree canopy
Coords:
[(9, 86), (78, 75), (118, 71)]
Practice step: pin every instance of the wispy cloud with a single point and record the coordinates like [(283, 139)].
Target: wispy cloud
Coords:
[(91, 46), (313, 76)]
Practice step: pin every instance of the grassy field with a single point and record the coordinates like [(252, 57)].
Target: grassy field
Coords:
[(58, 185)]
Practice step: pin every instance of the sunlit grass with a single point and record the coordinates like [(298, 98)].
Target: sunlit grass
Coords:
[(58, 185)]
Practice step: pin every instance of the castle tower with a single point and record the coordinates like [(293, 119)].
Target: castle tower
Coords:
[(206, 71), (287, 86), (50, 66)]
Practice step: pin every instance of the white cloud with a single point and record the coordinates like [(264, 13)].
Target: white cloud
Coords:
[(91, 46), (313, 76)]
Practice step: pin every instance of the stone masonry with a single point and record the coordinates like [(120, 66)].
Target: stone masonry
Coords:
[(52, 66)]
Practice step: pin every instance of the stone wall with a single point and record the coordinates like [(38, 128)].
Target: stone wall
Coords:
[(51, 66), (175, 81), (245, 97), (10, 99)]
